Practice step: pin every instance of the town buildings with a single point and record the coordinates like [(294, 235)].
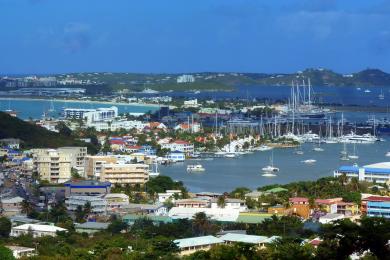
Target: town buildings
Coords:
[(122, 174), (52, 165), (86, 188), (91, 115), (378, 172), (98, 203), (93, 165)]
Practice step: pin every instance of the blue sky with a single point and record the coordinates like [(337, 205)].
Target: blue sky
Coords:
[(54, 36)]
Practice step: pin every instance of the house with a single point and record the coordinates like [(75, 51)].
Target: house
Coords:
[(91, 227), (21, 251), (12, 206), (254, 195), (337, 205), (157, 125), (188, 127), (98, 203), (149, 209), (259, 241), (278, 210), (168, 195), (300, 206), (192, 203), (36, 230), (216, 214), (230, 204), (188, 246), (117, 144)]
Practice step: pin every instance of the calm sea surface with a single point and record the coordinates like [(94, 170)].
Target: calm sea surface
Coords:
[(224, 174)]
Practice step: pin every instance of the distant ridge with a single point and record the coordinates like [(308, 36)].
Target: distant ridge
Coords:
[(106, 82)]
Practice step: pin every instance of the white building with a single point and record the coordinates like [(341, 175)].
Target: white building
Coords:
[(116, 200), (98, 203), (330, 217), (185, 79), (116, 125), (21, 251), (191, 103), (91, 115), (218, 214), (36, 230), (230, 204), (168, 195), (378, 172), (179, 146)]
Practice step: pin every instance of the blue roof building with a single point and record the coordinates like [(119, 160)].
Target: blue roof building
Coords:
[(378, 172)]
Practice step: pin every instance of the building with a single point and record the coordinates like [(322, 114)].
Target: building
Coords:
[(185, 127), (330, 217), (179, 146), (35, 230), (116, 201), (176, 156), (299, 206), (91, 227), (378, 172), (12, 143), (259, 241), (376, 206), (185, 78), (230, 204), (91, 115), (11, 206), (192, 203), (98, 203), (86, 188), (52, 165), (168, 195), (122, 174), (21, 251), (216, 214), (149, 209), (77, 157), (188, 246), (93, 165)]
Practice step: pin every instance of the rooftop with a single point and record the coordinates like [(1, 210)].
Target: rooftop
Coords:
[(197, 241), (93, 225), (243, 238), (37, 227)]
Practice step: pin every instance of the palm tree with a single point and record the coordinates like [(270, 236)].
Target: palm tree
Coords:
[(26, 207), (221, 201)]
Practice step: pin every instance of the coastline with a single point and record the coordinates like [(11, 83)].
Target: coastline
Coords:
[(80, 101)]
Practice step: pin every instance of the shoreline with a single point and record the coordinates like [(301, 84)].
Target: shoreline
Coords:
[(80, 101)]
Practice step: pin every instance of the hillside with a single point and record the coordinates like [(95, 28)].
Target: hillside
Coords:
[(34, 136)]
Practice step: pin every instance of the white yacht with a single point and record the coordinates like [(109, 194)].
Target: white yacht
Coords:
[(358, 139), (318, 149), (268, 174), (310, 137), (293, 137), (388, 154), (195, 168), (367, 91), (230, 155), (309, 161), (271, 167)]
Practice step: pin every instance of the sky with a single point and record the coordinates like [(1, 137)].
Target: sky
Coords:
[(178, 36)]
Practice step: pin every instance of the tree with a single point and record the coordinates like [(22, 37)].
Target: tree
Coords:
[(5, 227), (201, 224), (6, 253), (27, 208), (240, 192), (221, 201), (116, 226)]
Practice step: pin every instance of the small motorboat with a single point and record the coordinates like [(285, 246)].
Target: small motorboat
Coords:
[(268, 175), (195, 168), (309, 161)]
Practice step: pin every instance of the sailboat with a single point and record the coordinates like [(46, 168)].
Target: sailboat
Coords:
[(51, 109), (154, 172), (319, 148), (381, 95), (344, 153), (270, 168), (299, 150), (354, 155)]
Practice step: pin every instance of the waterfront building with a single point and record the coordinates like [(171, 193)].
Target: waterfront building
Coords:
[(52, 165), (98, 203), (179, 146), (122, 174), (378, 172), (93, 165), (86, 188), (189, 246), (185, 78), (176, 156), (36, 230), (91, 115)]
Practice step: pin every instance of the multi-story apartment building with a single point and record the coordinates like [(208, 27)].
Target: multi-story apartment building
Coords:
[(77, 156), (122, 174), (52, 165), (86, 188), (91, 115), (98, 203), (93, 165)]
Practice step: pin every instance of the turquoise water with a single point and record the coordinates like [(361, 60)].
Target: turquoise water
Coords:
[(224, 174), (36, 108)]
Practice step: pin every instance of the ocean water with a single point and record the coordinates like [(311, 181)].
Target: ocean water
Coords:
[(27, 108), (223, 174)]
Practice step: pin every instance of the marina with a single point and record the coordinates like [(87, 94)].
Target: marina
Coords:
[(225, 174)]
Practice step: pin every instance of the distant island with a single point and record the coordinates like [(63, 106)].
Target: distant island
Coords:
[(106, 82)]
